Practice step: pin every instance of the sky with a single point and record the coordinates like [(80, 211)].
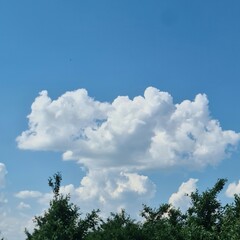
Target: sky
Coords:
[(132, 101)]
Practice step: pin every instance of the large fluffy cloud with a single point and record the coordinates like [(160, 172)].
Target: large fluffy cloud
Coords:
[(114, 141), (146, 132)]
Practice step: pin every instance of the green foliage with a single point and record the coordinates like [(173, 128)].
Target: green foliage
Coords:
[(118, 226), (62, 220), (162, 223), (231, 221), (55, 184), (206, 219), (203, 220)]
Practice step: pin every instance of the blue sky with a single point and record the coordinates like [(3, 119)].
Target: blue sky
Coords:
[(112, 49)]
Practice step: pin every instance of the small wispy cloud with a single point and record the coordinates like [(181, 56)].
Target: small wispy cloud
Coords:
[(23, 205), (3, 173), (28, 194)]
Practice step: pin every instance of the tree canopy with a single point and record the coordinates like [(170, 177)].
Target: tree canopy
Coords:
[(205, 219), (62, 220)]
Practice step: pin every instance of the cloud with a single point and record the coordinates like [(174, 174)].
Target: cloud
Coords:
[(3, 199), (111, 191), (181, 198), (3, 173), (106, 190), (115, 141), (23, 205), (146, 132), (13, 225), (28, 194), (122, 183), (232, 189), (52, 124)]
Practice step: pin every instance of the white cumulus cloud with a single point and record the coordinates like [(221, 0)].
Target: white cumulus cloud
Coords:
[(232, 189), (146, 132), (115, 140), (181, 198)]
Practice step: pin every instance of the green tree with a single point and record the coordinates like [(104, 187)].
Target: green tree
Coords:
[(62, 220), (165, 222), (204, 217), (119, 226), (231, 221)]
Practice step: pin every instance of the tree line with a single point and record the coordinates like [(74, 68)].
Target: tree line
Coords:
[(205, 219)]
